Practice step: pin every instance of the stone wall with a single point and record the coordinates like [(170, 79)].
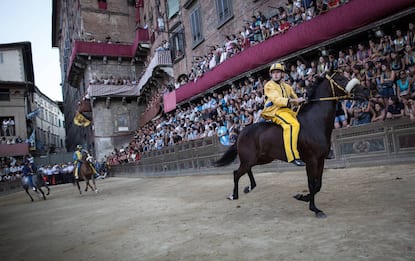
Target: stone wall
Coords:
[(367, 145)]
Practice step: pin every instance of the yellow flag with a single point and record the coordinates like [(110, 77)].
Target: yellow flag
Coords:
[(81, 120)]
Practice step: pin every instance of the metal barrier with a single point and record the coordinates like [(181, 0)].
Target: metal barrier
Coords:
[(8, 187)]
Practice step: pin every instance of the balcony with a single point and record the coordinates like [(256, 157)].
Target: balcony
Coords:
[(18, 149), (83, 48)]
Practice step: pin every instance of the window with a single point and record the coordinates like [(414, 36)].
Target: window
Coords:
[(122, 122), (196, 26), (177, 43), (102, 4), (173, 9), (4, 94), (224, 10), (1, 58)]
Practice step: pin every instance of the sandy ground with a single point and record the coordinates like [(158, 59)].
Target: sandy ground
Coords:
[(371, 216)]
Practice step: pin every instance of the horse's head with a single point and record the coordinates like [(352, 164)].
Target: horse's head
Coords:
[(344, 88)]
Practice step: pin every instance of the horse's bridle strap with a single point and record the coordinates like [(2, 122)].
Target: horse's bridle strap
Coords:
[(333, 84)]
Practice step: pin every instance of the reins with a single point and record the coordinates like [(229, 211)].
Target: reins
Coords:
[(333, 84)]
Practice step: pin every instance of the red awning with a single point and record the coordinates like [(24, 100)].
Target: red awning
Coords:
[(19, 149), (338, 21)]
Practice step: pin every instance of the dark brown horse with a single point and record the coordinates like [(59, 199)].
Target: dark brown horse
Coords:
[(262, 142), (86, 173)]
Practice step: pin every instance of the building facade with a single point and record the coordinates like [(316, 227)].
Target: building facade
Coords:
[(49, 125), (16, 96), (154, 44)]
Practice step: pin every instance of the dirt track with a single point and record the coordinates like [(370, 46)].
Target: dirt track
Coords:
[(371, 216)]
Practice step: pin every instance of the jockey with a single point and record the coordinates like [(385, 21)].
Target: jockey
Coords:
[(279, 98), (77, 157), (28, 170)]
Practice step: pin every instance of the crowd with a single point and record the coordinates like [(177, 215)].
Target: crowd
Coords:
[(112, 80), (258, 29), (384, 64), (54, 174)]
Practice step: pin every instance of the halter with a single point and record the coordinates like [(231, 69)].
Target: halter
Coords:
[(333, 84)]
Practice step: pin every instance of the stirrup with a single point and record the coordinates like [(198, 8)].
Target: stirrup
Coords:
[(298, 162)]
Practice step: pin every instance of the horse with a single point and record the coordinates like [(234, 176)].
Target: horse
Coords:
[(38, 182), (262, 142), (87, 173)]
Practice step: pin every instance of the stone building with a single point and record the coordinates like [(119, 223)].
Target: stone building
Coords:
[(156, 43), (48, 125), (31, 122), (17, 86)]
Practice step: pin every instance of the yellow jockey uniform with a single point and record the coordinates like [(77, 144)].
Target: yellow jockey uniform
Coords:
[(77, 157), (279, 96)]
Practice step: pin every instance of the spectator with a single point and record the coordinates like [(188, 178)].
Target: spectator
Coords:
[(395, 108), (378, 112), (340, 121)]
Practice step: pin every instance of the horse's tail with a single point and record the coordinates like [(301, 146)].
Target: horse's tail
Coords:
[(228, 157)]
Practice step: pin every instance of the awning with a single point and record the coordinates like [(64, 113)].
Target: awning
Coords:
[(9, 150), (160, 59), (336, 22)]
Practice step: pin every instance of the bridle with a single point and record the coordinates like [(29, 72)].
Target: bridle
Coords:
[(333, 85)]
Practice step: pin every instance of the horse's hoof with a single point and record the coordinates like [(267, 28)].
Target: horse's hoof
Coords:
[(96, 191), (231, 197), (247, 189), (301, 197), (298, 196), (320, 215)]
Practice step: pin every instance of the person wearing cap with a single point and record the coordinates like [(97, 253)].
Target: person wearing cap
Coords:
[(77, 156), (280, 96), (28, 170)]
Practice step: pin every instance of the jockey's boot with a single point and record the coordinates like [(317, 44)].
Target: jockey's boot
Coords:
[(298, 162)]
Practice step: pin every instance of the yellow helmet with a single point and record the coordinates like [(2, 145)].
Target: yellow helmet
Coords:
[(277, 66)]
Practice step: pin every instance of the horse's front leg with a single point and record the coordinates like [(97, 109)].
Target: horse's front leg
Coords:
[(315, 175), (252, 180), (236, 178), (87, 183), (95, 185), (79, 187), (315, 185), (43, 194), (27, 191)]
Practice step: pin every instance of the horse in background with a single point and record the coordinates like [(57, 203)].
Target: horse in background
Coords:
[(262, 142), (38, 182), (87, 173)]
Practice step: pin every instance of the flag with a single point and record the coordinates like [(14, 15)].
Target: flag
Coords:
[(33, 114), (32, 141), (81, 120)]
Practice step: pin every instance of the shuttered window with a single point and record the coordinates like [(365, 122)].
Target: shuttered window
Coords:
[(173, 7), (196, 26), (177, 43), (224, 10)]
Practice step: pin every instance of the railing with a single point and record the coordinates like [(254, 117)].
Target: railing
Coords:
[(367, 145), (18, 149)]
